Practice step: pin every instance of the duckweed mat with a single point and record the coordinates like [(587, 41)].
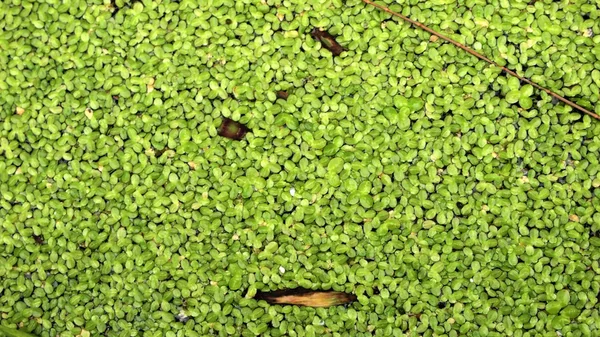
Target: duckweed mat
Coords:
[(359, 155)]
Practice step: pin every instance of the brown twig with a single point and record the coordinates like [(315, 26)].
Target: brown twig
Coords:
[(482, 57)]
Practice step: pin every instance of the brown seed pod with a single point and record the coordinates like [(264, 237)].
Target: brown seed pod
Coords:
[(232, 129), (306, 297), (328, 41)]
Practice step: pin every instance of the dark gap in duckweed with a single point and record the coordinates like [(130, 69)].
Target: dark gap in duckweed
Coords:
[(441, 305), (327, 41), (306, 297), (519, 160), (182, 318), (232, 96), (270, 324), (39, 240), (290, 212), (307, 79), (158, 153), (116, 9), (569, 157), (232, 129)]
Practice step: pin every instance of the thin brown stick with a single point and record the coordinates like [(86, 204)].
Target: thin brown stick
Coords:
[(482, 57)]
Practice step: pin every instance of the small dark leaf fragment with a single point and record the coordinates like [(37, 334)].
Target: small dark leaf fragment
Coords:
[(417, 315), (328, 41), (232, 129), (306, 297), (282, 94)]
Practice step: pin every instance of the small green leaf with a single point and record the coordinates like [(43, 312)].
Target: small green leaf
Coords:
[(513, 96), (570, 311), (526, 90), (553, 307), (525, 102), (335, 165), (235, 283), (271, 247), (513, 83)]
